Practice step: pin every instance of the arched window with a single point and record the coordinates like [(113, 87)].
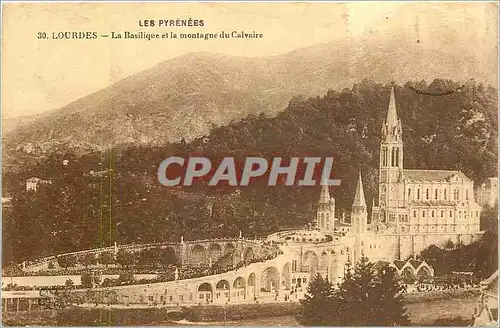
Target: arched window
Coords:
[(427, 193), (393, 155), (466, 194), (414, 214), (451, 214), (409, 193), (436, 194), (397, 158), (423, 214), (418, 193), (445, 194)]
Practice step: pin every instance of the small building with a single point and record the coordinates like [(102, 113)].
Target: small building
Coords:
[(25, 300), (32, 184), (410, 268), (487, 304)]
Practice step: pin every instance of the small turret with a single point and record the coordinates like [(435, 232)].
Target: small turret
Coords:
[(359, 197), (359, 215), (325, 217)]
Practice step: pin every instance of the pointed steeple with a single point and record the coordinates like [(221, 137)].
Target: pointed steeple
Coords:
[(325, 193), (392, 115), (359, 197)]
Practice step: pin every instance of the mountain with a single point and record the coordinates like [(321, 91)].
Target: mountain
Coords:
[(456, 131), (186, 96)]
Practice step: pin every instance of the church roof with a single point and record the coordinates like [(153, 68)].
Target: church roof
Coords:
[(399, 264), (429, 203), (380, 264), (432, 175), (415, 263)]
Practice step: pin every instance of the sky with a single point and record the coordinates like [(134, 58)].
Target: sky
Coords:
[(40, 75)]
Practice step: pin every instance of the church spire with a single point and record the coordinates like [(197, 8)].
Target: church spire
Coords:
[(359, 197), (392, 115), (325, 193)]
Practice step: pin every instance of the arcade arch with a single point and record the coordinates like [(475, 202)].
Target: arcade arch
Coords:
[(198, 254), (286, 276), (239, 288), (323, 261), (222, 291), (408, 272), (424, 272), (311, 261), (214, 252), (270, 280), (251, 285), (248, 254), (205, 293), (229, 249)]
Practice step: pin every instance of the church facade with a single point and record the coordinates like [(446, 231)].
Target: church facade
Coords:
[(415, 209)]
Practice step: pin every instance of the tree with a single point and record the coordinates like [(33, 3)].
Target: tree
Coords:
[(126, 278), (125, 258), (363, 298), (86, 280), (105, 258), (371, 299), (66, 261), (88, 259), (489, 218), (387, 300), (438, 258), (108, 282), (449, 244), (319, 306), (354, 293)]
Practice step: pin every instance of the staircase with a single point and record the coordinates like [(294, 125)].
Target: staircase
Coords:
[(224, 261)]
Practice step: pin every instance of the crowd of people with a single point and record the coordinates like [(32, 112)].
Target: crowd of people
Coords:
[(20, 269), (440, 285), (190, 271)]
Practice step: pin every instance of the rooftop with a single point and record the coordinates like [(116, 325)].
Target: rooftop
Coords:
[(432, 175)]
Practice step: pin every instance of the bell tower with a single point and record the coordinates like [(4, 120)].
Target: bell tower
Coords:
[(391, 160)]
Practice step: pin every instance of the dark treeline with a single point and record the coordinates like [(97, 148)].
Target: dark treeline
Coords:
[(480, 257), (456, 130)]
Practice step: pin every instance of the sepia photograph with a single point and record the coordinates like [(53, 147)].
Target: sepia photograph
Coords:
[(249, 164)]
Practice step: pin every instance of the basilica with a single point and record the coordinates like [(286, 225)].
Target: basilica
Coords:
[(415, 209)]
